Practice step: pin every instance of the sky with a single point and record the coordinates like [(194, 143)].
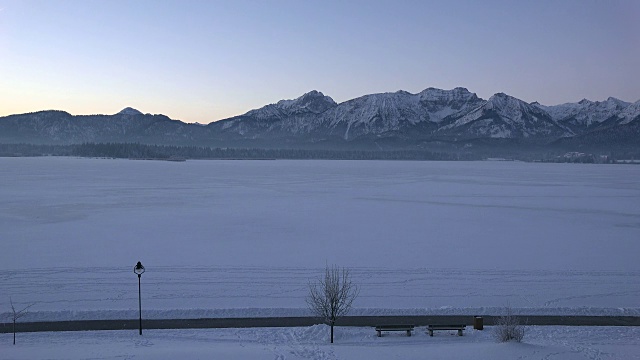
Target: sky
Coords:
[(201, 61)]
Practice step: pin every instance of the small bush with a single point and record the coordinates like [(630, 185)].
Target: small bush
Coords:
[(508, 327)]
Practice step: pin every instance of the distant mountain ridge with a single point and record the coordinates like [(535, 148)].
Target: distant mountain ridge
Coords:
[(398, 119), (431, 115), (60, 127)]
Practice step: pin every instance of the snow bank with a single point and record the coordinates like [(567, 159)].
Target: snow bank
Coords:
[(541, 342)]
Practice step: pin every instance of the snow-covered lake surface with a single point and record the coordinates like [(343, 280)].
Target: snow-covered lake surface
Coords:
[(540, 342), (243, 238)]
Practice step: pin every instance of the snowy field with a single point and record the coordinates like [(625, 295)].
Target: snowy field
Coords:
[(243, 238), (541, 342)]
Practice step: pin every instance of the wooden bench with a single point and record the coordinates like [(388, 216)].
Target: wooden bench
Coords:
[(432, 328), (407, 328)]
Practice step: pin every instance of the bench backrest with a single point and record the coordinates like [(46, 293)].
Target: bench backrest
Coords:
[(447, 327), (395, 326)]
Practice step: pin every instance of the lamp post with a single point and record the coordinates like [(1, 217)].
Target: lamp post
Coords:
[(139, 269)]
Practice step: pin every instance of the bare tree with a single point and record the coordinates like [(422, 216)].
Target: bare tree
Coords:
[(331, 296), (508, 327), (15, 315)]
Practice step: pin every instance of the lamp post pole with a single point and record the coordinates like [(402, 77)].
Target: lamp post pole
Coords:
[(140, 302), (139, 269)]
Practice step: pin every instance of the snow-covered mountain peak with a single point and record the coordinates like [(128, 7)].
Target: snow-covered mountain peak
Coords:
[(498, 97), (614, 102), (504, 116), (585, 112), (129, 111), (457, 94), (502, 101), (585, 102), (313, 101), (313, 94), (630, 113), (527, 118)]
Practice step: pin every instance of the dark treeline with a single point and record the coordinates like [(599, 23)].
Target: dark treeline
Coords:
[(143, 151), (166, 152), (17, 150)]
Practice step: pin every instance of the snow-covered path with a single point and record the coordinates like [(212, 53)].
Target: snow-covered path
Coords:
[(541, 342)]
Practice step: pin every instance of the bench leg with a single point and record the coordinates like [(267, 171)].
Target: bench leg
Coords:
[(459, 332), (430, 332), (408, 332), (379, 333)]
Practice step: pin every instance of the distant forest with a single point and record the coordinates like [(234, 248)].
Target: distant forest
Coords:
[(164, 152), (168, 152)]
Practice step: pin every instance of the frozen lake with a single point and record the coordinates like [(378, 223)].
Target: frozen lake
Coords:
[(250, 234)]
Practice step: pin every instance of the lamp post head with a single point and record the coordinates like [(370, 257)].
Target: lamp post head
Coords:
[(138, 269)]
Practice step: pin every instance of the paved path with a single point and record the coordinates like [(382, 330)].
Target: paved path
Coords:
[(83, 325)]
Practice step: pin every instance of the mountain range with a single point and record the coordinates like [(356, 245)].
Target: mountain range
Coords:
[(386, 120)]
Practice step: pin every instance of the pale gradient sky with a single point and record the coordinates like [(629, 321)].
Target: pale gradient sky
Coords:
[(207, 60)]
